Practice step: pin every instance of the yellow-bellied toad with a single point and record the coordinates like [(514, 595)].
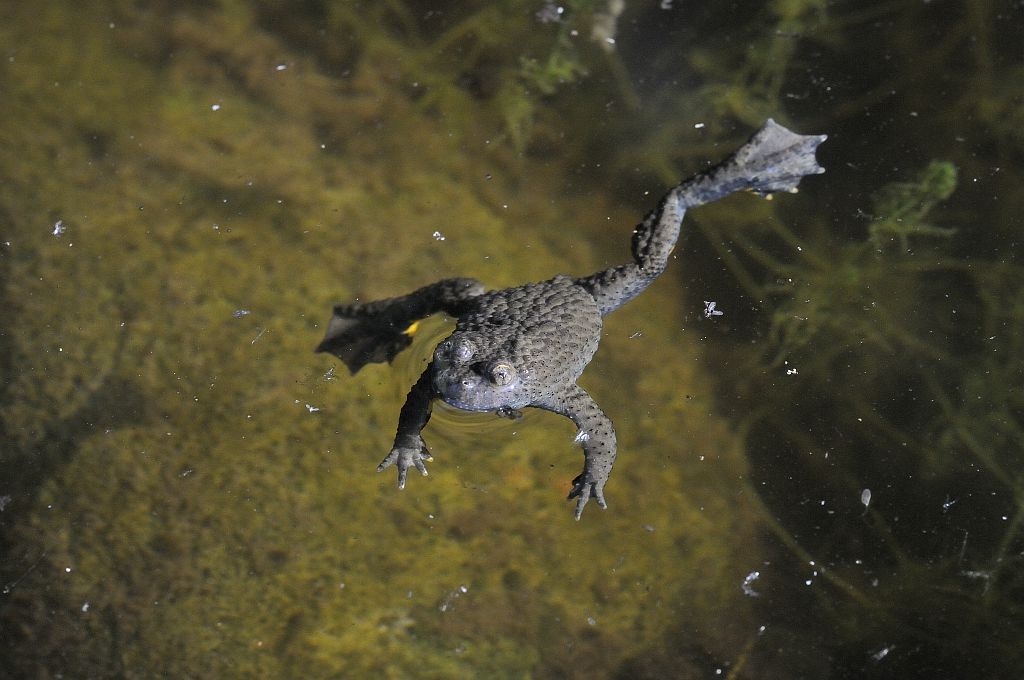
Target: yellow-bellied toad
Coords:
[(526, 346)]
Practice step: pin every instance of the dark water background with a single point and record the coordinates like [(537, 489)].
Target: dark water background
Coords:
[(827, 481)]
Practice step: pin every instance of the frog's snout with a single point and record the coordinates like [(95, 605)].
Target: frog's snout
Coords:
[(463, 389)]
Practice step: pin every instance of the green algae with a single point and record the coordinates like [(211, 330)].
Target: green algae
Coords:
[(902, 207), (192, 489)]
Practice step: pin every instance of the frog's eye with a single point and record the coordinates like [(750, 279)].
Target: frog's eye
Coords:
[(501, 374), (462, 350)]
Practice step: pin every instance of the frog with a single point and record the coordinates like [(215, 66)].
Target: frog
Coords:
[(527, 346)]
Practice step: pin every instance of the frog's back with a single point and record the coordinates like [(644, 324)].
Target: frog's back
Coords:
[(551, 328)]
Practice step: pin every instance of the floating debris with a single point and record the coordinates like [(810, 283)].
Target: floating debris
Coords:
[(448, 602), (748, 588)]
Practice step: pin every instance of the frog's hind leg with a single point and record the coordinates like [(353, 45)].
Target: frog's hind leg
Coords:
[(775, 159), (375, 332)]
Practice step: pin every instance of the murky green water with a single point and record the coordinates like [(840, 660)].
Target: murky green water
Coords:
[(826, 481)]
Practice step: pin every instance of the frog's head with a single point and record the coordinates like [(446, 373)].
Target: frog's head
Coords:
[(473, 375)]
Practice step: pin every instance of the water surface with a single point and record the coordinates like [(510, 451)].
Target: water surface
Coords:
[(822, 482)]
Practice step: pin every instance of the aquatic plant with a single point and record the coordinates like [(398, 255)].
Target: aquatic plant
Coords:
[(912, 359)]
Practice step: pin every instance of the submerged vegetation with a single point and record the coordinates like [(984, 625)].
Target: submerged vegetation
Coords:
[(182, 486), (895, 371)]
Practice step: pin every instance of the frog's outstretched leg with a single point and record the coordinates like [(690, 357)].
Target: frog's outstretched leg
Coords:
[(597, 435), (409, 449), (775, 159), (359, 334)]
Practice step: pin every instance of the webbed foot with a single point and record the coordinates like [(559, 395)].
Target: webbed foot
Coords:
[(775, 159), (585, 487), (359, 340), (414, 454)]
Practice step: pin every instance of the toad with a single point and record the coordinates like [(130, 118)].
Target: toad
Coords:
[(526, 346)]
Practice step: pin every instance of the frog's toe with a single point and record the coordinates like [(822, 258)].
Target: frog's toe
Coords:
[(404, 458), (583, 490)]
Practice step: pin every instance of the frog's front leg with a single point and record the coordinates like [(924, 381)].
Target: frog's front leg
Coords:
[(597, 435), (409, 449)]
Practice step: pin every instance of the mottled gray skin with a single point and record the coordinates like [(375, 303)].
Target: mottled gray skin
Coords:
[(527, 346)]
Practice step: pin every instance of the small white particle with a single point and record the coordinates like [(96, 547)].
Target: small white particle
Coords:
[(215, 107), (748, 588), (59, 228), (438, 236), (698, 126)]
